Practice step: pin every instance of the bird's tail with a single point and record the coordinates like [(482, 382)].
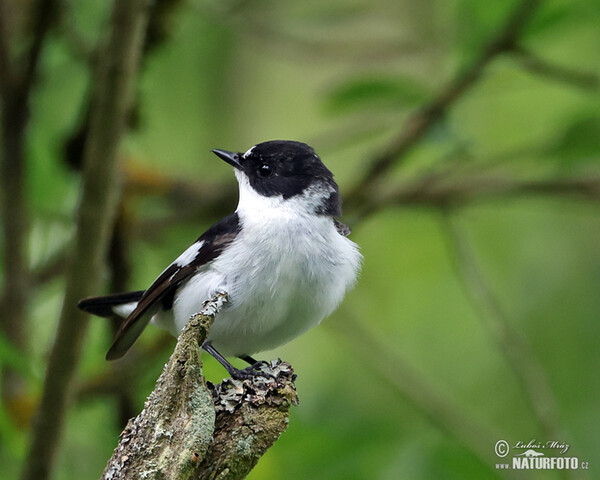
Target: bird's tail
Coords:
[(121, 304)]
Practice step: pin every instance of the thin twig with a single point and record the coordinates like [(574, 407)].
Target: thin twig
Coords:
[(421, 121), (411, 385), (525, 365), (437, 190), (280, 39), (559, 73)]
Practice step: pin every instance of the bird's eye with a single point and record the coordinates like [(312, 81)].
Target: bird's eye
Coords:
[(265, 170)]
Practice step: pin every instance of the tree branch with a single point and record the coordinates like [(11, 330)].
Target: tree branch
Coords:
[(16, 80), (477, 187), (175, 427), (188, 431), (570, 76), (6, 66), (421, 121), (437, 189), (44, 17), (100, 189), (251, 415)]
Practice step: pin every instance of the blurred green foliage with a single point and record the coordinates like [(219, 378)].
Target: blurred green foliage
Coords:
[(343, 77)]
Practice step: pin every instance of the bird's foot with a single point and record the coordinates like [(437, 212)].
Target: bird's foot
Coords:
[(257, 370)]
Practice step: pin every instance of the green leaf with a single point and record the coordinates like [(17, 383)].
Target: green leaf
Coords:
[(374, 92)]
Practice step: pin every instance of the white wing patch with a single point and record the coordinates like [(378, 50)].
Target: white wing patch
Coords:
[(124, 309), (189, 255)]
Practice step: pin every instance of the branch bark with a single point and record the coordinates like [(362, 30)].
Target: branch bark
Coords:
[(190, 430), (175, 427), (96, 213), (251, 415)]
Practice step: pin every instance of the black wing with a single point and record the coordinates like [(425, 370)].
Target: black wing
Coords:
[(162, 291), (342, 229)]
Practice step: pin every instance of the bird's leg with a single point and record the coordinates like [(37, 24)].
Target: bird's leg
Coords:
[(254, 364), (248, 359), (238, 374)]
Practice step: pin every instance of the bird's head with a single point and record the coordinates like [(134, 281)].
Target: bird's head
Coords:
[(284, 173)]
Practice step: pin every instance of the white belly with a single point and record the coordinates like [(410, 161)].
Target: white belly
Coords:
[(281, 278)]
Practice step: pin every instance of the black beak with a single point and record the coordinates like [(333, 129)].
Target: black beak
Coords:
[(231, 158)]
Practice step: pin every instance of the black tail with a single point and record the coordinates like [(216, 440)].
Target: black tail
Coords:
[(103, 306)]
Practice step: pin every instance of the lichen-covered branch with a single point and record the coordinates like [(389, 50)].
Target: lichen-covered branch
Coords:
[(189, 429), (175, 428), (251, 415)]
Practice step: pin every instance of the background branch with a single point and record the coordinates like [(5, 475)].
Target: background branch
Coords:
[(17, 76), (521, 358), (559, 73), (439, 189), (424, 397), (421, 121), (100, 189)]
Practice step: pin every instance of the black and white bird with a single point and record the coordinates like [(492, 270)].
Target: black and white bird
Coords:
[(282, 257)]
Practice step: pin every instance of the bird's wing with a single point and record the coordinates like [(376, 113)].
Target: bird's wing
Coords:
[(162, 291), (342, 229)]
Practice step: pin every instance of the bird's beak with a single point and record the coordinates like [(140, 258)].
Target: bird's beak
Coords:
[(231, 158)]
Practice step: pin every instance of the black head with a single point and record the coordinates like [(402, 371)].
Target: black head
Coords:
[(288, 169)]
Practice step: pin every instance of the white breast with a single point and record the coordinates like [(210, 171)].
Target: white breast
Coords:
[(284, 273)]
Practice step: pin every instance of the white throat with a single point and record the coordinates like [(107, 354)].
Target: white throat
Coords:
[(253, 204)]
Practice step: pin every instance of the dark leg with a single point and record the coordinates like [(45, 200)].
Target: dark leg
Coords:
[(248, 359), (235, 372), (220, 358)]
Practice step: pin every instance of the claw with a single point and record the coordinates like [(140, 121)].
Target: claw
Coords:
[(256, 370), (253, 371)]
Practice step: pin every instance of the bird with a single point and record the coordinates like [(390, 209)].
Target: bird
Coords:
[(283, 258)]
